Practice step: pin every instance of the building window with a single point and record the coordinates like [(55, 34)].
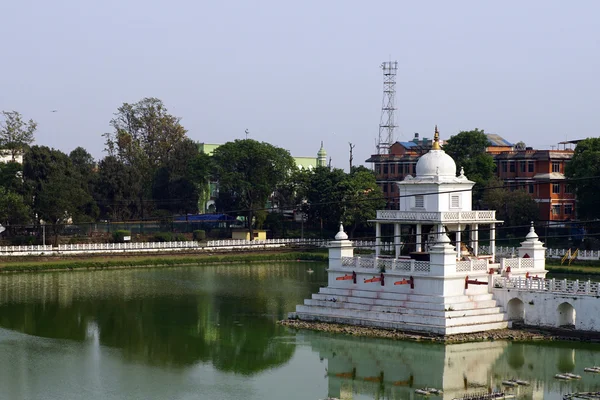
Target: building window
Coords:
[(531, 188), (414, 168), (568, 209), (568, 189), (530, 166), (419, 201), (385, 168), (522, 166), (555, 188), (556, 209), (377, 168), (385, 188), (555, 167), (512, 166), (393, 169), (504, 166), (455, 201)]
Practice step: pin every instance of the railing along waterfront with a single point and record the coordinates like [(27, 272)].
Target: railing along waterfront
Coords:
[(549, 285), (506, 251), (441, 216)]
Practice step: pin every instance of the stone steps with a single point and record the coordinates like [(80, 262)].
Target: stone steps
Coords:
[(410, 327), (434, 306), (400, 296), (493, 315), (480, 309)]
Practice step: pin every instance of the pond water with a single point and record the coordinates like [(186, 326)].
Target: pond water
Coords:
[(210, 332)]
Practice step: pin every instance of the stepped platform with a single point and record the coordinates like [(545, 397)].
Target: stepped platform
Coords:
[(407, 312)]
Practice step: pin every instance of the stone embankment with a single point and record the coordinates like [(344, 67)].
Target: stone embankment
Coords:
[(517, 335)]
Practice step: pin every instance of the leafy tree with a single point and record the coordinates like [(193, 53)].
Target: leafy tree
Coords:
[(362, 197), (248, 173), (516, 208), (13, 209), (84, 165), (324, 197), (11, 176), (467, 148), (177, 185), (520, 145), (54, 184), (583, 171), (15, 134), (117, 188), (144, 135)]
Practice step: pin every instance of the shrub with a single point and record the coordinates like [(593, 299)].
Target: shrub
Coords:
[(199, 235), (24, 240), (180, 237), (119, 236), (163, 237)]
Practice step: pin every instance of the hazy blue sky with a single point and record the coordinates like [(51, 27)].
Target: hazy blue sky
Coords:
[(296, 73)]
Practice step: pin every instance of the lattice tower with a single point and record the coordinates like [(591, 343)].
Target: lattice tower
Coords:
[(387, 121)]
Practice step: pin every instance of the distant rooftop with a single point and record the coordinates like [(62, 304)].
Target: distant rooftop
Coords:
[(497, 140)]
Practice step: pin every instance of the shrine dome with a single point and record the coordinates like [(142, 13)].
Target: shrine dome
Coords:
[(436, 162)]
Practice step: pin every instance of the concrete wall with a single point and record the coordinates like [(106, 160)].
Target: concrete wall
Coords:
[(551, 309)]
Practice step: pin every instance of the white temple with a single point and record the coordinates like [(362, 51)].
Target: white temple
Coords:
[(441, 287)]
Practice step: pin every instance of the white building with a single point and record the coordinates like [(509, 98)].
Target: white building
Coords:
[(442, 287)]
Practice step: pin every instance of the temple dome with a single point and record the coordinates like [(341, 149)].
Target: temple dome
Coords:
[(436, 163)]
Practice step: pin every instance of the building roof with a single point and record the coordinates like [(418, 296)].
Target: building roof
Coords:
[(497, 140)]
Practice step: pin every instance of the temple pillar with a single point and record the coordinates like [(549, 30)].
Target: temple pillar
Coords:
[(377, 239), (475, 239), (458, 242), (397, 241), (418, 245), (493, 241)]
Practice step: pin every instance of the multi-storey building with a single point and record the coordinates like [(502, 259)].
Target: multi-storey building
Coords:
[(539, 172)]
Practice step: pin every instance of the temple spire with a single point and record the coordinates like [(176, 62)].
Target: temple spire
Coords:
[(436, 140)]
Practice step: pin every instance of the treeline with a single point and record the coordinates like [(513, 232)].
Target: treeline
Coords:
[(153, 170)]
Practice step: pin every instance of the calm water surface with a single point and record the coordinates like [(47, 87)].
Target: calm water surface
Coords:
[(210, 333)]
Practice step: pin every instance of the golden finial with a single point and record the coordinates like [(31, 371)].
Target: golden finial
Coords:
[(436, 140)]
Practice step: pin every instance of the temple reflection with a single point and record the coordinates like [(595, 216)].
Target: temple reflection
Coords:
[(387, 369)]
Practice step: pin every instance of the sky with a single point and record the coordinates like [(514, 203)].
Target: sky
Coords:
[(297, 73)]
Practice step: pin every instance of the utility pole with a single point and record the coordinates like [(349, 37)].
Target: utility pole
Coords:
[(247, 132), (351, 158)]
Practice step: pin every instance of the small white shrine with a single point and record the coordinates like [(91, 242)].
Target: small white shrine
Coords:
[(442, 286)]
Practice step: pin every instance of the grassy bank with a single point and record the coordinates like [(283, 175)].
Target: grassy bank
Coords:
[(119, 261), (577, 267)]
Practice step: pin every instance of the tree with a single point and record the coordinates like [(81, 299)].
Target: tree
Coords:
[(144, 135), (362, 197), (13, 209), (116, 190), (248, 172), (324, 197), (583, 171), (55, 188), (468, 149), (84, 165), (15, 134), (516, 208)]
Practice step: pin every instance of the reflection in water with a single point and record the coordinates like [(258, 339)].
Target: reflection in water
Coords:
[(224, 315), (384, 369), (210, 332)]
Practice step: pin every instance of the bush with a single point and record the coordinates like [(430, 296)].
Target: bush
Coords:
[(180, 237), (199, 235), (163, 237), (24, 240), (119, 236)]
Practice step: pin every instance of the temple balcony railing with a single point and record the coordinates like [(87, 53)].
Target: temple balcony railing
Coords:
[(389, 264), (481, 216)]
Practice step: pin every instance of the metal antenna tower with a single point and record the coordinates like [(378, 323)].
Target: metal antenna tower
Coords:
[(387, 122)]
